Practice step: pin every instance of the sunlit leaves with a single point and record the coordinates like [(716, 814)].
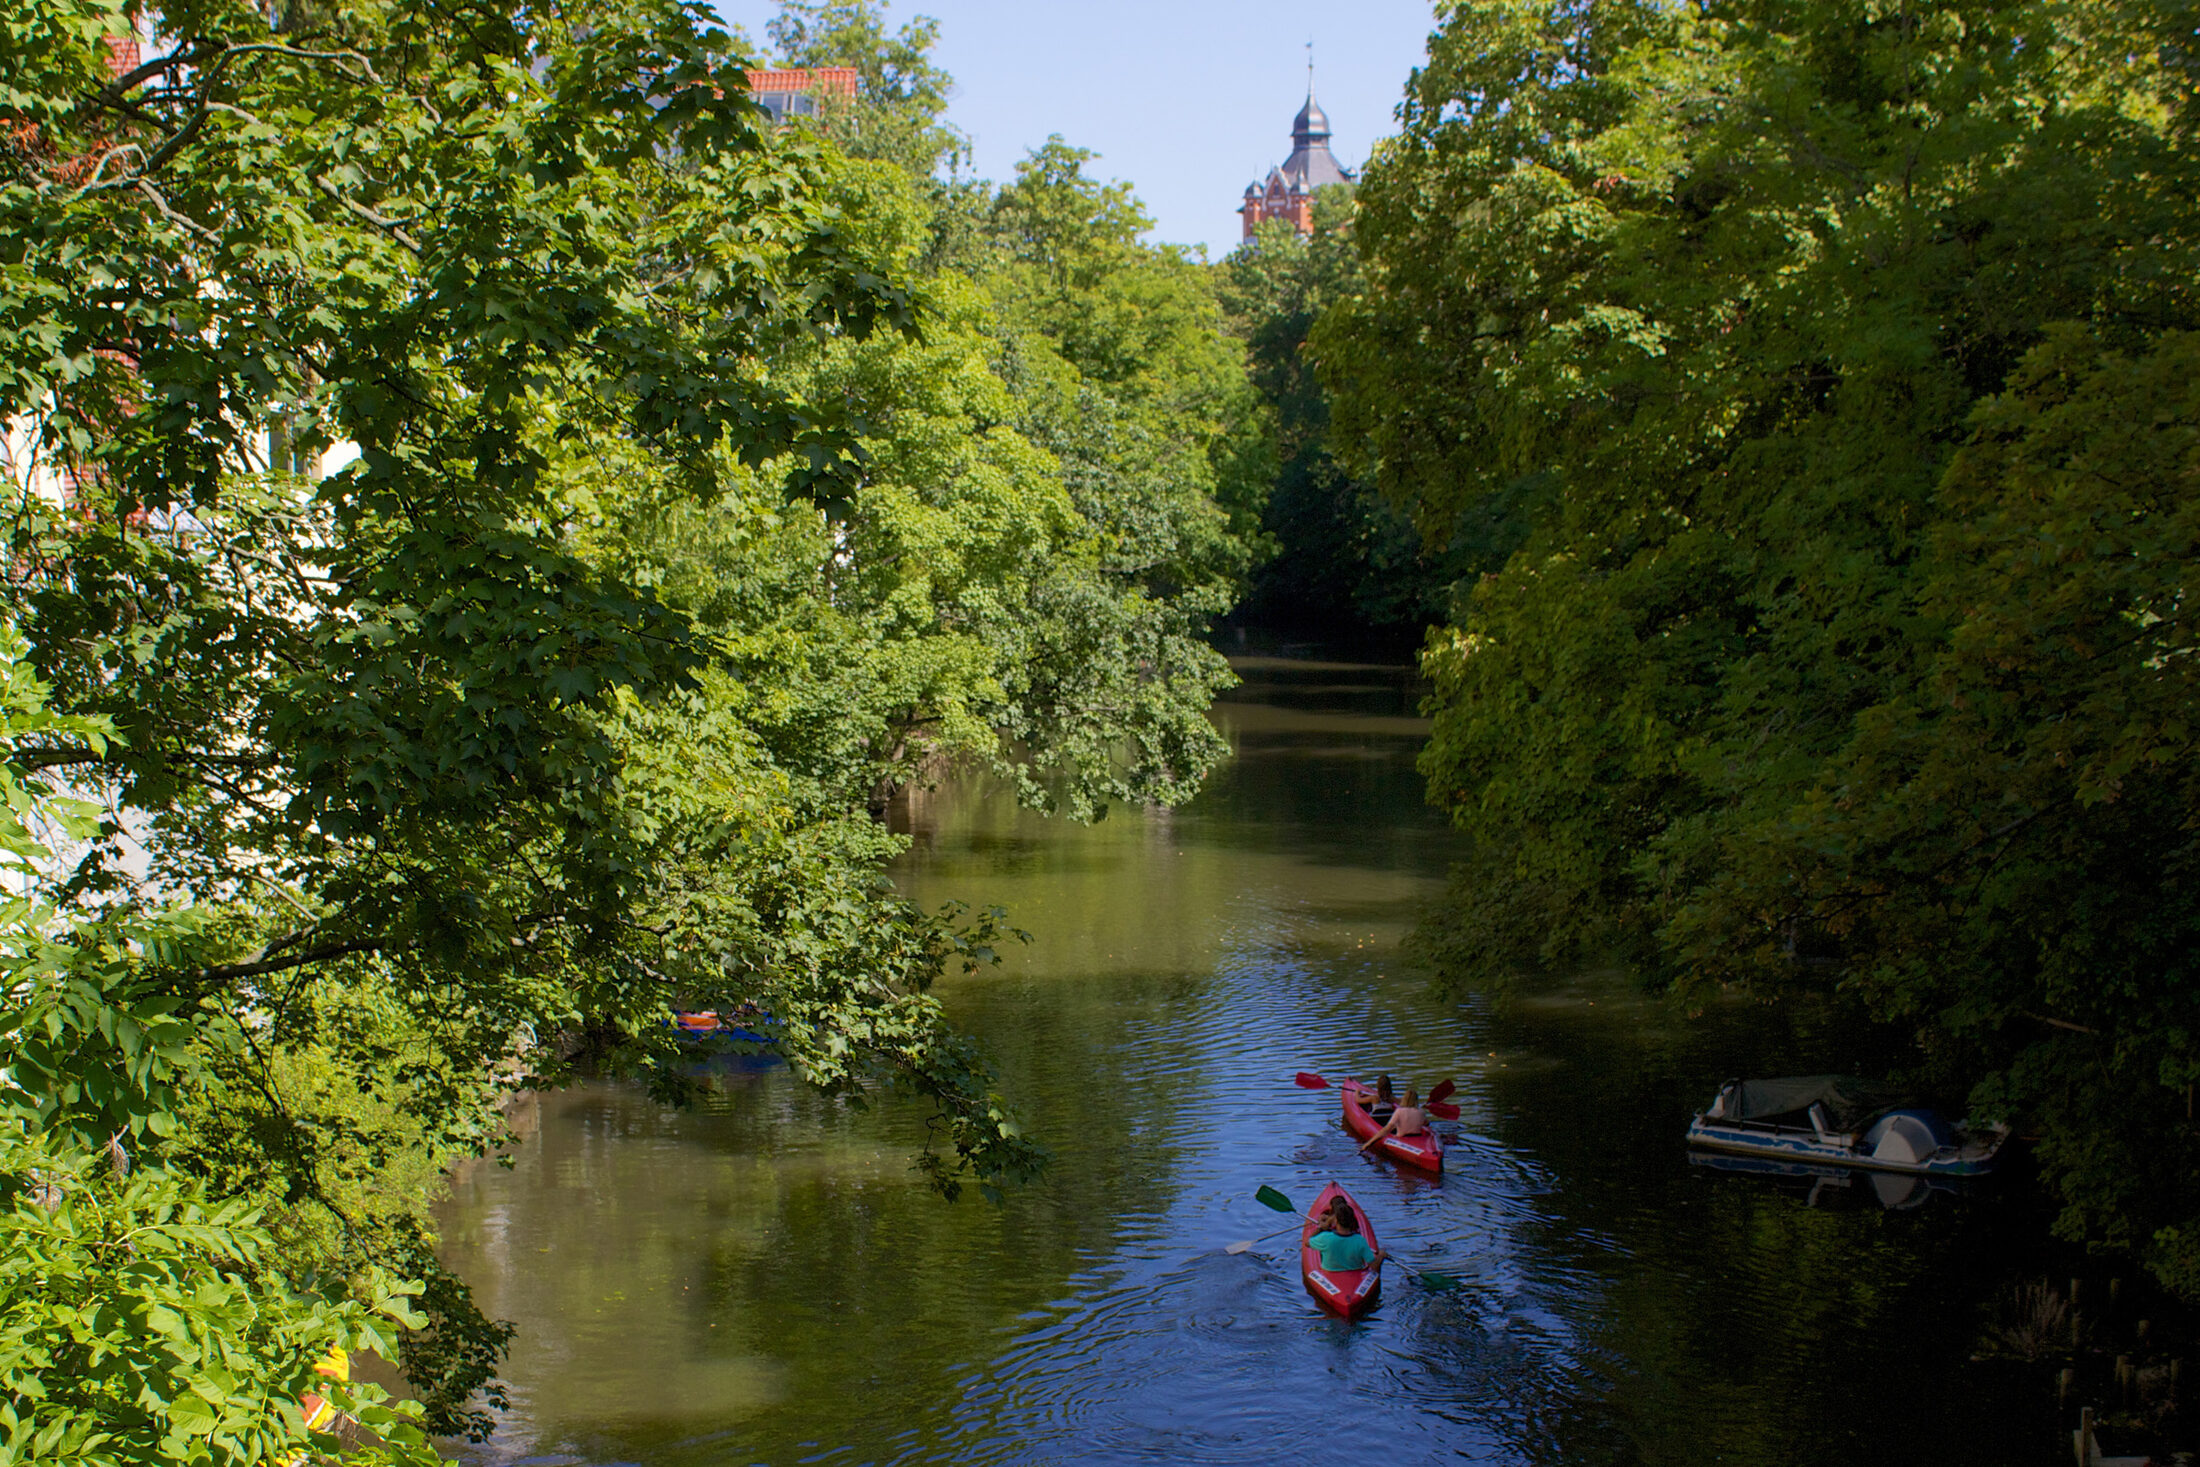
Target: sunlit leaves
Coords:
[(141, 1322), (496, 536)]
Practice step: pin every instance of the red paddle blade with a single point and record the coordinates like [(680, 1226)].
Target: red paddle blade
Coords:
[(1442, 1111), (1309, 1082), (1442, 1091)]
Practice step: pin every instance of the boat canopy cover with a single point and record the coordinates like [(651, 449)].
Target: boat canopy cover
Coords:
[(1848, 1100)]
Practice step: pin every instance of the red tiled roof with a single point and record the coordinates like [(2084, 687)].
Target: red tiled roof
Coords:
[(838, 81)]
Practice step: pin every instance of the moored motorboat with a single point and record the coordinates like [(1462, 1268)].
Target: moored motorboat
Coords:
[(1424, 1152), (1837, 1120), (1345, 1292)]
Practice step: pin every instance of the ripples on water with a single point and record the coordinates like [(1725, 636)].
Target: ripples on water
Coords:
[(759, 1280)]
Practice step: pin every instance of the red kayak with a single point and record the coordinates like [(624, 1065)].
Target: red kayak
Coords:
[(1423, 1151), (1348, 1291)]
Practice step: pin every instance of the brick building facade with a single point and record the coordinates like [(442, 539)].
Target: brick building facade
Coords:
[(1288, 193)]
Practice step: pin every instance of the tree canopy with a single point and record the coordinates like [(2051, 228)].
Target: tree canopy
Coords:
[(1342, 559), (898, 112), (491, 522), (1831, 361)]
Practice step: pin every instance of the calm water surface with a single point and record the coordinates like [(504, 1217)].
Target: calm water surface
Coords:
[(761, 1280)]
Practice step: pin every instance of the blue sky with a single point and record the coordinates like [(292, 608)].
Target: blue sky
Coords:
[(1189, 101)]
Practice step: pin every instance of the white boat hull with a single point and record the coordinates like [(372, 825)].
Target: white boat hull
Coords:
[(1972, 1156)]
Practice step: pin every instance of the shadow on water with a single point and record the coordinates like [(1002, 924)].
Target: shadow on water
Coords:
[(762, 1280)]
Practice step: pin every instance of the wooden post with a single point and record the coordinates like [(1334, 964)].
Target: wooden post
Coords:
[(2082, 1438), (2125, 1377), (2064, 1384)]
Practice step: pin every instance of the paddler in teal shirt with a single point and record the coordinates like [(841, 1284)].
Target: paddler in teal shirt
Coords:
[(1339, 1243)]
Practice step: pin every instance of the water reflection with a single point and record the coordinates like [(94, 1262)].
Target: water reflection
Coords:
[(760, 1280), (1827, 1186)]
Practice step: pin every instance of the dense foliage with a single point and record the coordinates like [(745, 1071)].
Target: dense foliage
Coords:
[(490, 523), (1343, 561), (1831, 359)]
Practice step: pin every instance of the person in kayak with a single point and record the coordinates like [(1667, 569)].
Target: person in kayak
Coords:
[(1407, 1120), (1339, 1242), (1385, 1103)]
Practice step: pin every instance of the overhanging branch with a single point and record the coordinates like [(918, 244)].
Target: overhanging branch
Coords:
[(230, 972)]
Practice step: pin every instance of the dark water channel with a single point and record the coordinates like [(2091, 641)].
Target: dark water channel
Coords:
[(761, 1280)]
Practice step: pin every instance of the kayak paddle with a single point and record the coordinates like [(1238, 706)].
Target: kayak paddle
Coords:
[(1247, 1244), (1436, 1098), (1435, 1283), (1269, 1197), (1429, 1279)]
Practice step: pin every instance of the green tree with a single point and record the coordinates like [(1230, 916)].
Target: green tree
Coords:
[(1732, 306), (1104, 355), (142, 1318), (1115, 351), (493, 523), (899, 110), (1342, 557)]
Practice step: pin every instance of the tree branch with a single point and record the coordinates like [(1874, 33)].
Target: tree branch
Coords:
[(145, 187), (35, 757), (109, 97), (229, 972), (2058, 1023), (388, 226), (30, 761), (299, 53)]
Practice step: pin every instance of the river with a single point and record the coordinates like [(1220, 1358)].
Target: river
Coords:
[(760, 1279)]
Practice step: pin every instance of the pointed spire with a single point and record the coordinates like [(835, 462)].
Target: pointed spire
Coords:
[(1312, 124)]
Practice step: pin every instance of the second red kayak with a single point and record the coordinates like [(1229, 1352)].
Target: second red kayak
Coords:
[(1346, 1291), (1424, 1151)]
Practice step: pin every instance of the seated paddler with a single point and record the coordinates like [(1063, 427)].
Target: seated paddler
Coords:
[(1409, 1119), (1382, 1104), (1339, 1242)]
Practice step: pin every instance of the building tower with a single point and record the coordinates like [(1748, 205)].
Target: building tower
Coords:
[(1289, 191)]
